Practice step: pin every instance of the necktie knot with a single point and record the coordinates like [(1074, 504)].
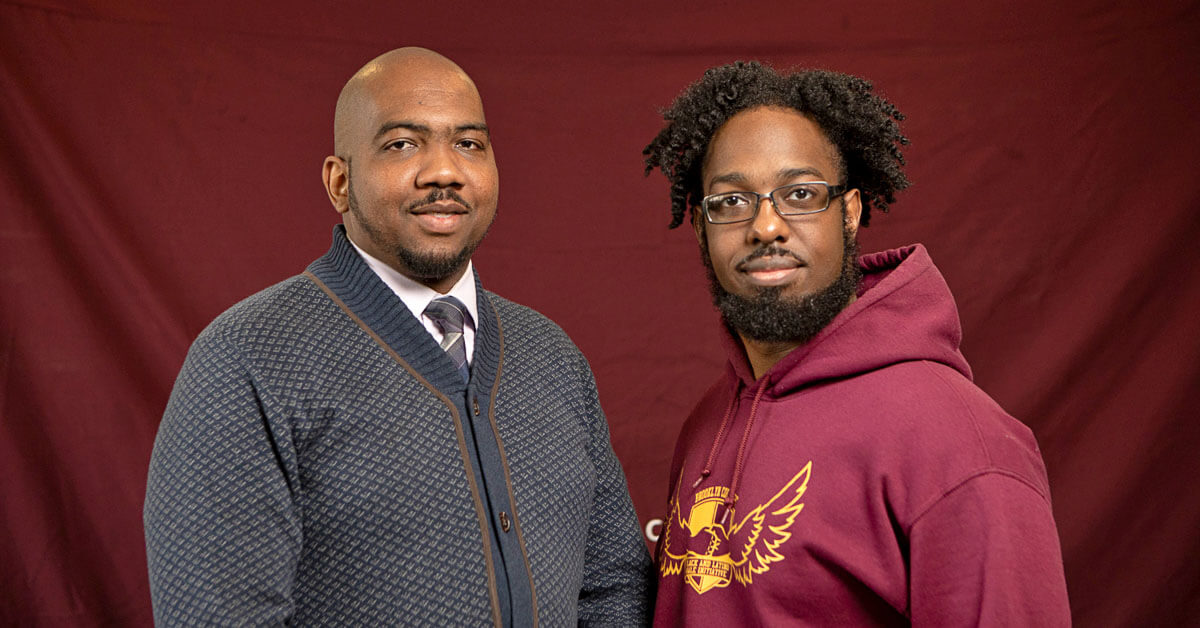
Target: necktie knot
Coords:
[(448, 313), (450, 316)]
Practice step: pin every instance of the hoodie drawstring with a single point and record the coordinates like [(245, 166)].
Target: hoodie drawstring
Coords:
[(731, 498), (712, 453)]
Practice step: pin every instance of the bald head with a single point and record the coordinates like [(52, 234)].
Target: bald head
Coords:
[(413, 173), (407, 68)]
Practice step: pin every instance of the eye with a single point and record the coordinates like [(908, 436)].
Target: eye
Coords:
[(800, 193), (399, 145), (733, 200), (470, 144)]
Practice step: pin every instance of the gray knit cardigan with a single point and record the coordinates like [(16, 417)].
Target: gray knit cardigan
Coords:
[(311, 468)]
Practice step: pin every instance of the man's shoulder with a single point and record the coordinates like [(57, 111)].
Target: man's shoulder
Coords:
[(936, 413), (532, 340), (932, 397), (278, 309), (524, 320)]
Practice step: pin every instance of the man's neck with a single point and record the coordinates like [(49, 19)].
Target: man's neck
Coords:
[(764, 355), (443, 285)]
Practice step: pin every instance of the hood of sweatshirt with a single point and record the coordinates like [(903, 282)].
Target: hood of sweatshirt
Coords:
[(904, 312)]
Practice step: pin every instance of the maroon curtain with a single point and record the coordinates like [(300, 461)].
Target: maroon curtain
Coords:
[(160, 163)]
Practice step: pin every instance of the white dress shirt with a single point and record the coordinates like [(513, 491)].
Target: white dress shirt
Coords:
[(416, 297)]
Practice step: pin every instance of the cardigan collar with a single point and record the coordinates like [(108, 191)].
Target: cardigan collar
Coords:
[(346, 274)]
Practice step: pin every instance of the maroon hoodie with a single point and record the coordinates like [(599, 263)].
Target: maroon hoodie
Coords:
[(864, 480)]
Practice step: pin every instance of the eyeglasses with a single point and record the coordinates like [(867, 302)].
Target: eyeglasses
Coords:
[(797, 199)]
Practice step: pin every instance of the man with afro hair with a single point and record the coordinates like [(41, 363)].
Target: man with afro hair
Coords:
[(844, 470)]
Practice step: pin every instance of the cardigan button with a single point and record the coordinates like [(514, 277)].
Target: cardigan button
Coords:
[(504, 524)]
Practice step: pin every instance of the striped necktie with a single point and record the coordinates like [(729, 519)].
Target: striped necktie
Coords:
[(450, 315)]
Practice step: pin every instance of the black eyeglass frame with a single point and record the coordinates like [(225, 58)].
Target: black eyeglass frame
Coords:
[(835, 191)]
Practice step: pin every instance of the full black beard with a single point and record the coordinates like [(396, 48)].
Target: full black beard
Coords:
[(768, 316), (421, 265)]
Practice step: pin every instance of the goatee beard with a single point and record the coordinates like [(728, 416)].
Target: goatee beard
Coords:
[(422, 266), (768, 316), (432, 266)]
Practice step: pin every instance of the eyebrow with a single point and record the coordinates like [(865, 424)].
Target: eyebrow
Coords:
[(738, 178), (424, 129)]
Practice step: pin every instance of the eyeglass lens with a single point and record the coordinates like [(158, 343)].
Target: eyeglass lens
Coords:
[(799, 198)]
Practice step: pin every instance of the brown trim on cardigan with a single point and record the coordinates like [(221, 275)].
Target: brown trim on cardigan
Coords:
[(485, 532), (512, 499)]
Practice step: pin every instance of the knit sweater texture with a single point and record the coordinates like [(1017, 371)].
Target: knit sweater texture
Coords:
[(313, 467)]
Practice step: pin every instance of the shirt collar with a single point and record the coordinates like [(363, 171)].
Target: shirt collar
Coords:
[(416, 296)]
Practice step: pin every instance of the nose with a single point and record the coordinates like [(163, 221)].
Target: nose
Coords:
[(767, 225), (440, 168)]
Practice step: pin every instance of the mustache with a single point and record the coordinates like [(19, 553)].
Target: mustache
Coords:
[(439, 194), (767, 250)]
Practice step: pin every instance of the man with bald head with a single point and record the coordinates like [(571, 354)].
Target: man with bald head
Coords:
[(379, 440)]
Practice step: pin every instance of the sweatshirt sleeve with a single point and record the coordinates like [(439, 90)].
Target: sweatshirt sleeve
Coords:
[(222, 532), (618, 580), (987, 554)]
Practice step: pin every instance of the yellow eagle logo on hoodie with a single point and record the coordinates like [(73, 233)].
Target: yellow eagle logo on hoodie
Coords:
[(760, 533)]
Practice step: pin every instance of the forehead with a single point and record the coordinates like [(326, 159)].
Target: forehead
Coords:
[(435, 97), (764, 143)]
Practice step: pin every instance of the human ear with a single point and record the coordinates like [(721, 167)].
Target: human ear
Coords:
[(852, 201), (336, 176), (698, 223)]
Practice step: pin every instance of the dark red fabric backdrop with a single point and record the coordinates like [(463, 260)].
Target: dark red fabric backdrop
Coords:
[(161, 162)]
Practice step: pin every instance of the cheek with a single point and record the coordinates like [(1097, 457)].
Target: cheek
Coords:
[(490, 192), (827, 250), (485, 179), (723, 254), (386, 187)]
